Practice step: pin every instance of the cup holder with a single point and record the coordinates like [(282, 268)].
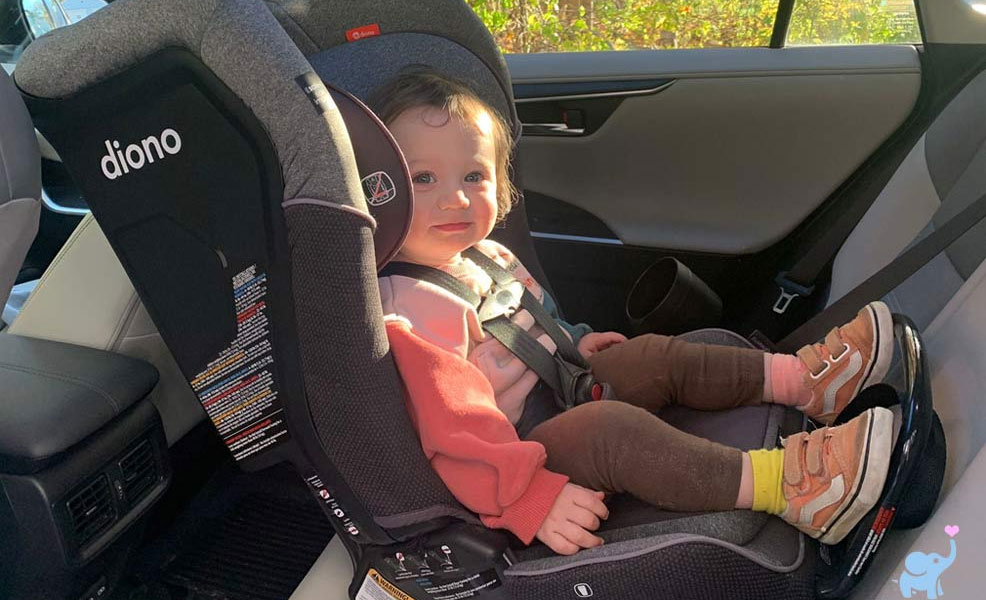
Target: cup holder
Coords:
[(669, 299)]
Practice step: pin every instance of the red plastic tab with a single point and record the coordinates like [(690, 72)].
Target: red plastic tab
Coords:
[(363, 32)]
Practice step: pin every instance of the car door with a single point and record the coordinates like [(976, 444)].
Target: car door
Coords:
[(713, 155)]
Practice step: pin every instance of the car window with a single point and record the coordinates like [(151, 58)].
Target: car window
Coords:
[(853, 22), (528, 26), (23, 21)]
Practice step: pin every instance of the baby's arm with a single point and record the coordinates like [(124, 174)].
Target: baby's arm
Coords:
[(470, 443)]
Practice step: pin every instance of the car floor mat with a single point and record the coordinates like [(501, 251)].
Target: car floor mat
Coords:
[(246, 536)]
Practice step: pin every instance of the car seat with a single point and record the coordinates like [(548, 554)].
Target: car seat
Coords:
[(224, 179), (20, 199)]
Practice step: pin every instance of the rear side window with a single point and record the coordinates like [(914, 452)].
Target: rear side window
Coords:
[(527, 26), (826, 22)]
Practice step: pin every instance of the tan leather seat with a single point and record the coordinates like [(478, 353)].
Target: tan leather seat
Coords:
[(85, 298), (20, 184)]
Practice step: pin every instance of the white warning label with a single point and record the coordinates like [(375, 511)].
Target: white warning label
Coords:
[(375, 587), (237, 389)]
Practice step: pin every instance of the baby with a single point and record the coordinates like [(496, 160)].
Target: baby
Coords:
[(480, 411)]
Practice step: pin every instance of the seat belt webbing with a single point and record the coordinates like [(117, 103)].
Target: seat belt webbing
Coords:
[(886, 279)]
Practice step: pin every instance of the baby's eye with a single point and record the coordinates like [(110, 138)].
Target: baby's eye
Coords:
[(423, 178), (474, 177)]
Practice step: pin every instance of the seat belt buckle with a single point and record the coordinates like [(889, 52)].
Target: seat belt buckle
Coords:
[(789, 291)]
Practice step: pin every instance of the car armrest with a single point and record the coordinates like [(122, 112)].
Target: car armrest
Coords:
[(54, 395)]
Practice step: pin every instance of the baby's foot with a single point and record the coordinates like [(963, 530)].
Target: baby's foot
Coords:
[(852, 358), (835, 475)]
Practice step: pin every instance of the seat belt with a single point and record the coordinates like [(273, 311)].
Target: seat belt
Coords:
[(571, 382), (886, 279), (799, 280)]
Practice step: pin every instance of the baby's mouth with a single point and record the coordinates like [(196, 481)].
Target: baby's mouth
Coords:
[(452, 227)]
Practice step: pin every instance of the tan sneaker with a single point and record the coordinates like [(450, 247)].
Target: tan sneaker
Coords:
[(852, 358), (835, 475)]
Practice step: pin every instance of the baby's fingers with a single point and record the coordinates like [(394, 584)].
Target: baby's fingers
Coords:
[(584, 518), (579, 536), (592, 501)]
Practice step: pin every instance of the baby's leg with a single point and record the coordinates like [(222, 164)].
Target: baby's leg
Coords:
[(823, 483), (616, 447), (652, 371)]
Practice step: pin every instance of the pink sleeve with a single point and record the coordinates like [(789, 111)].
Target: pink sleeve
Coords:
[(469, 441)]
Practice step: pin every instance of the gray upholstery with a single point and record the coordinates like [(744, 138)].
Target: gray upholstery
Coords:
[(385, 56), (943, 174), (20, 184), (317, 25)]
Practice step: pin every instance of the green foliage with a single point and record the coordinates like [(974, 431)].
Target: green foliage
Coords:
[(524, 26)]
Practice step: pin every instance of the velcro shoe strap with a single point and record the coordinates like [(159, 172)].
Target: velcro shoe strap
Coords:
[(793, 449), (813, 454), (810, 359)]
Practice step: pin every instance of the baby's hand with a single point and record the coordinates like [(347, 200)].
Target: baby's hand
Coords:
[(574, 514), (596, 342)]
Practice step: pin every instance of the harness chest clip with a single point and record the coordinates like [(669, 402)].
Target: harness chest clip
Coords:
[(502, 300)]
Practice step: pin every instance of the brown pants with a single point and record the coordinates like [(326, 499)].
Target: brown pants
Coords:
[(623, 447)]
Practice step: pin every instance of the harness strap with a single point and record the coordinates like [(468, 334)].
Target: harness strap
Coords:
[(571, 381), (531, 304)]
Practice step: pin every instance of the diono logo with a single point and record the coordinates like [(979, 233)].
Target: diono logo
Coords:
[(117, 163)]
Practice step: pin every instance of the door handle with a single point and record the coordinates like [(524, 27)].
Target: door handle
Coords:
[(554, 129)]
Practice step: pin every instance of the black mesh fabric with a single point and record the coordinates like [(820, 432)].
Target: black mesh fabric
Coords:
[(681, 572), (353, 389)]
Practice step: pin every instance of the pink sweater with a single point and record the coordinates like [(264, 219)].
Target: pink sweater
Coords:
[(444, 319), (465, 390), (470, 443)]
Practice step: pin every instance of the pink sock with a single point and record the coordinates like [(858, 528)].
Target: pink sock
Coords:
[(783, 381)]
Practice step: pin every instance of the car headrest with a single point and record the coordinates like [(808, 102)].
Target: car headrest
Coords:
[(20, 159)]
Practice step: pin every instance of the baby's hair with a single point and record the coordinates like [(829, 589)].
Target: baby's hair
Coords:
[(421, 88)]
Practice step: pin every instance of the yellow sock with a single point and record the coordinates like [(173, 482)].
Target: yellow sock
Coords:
[(768, 474)]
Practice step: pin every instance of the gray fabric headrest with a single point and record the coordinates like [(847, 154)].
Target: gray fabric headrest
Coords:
[(20, 159), (362, 67), (447, 36)]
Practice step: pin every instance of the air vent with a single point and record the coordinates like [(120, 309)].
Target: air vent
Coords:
[(91, 510), (139, 472)]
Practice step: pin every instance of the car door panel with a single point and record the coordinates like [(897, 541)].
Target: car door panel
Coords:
[(728, 157)]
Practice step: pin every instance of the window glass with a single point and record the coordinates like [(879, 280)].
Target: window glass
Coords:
[(524, 26), (853, 22)]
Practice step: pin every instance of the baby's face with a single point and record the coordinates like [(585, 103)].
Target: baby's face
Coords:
[(453, 168)]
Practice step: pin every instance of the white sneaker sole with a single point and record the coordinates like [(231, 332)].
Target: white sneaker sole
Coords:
[(875, 460), (883, 344)]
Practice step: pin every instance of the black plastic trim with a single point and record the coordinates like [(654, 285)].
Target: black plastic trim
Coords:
[(782, 21)]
